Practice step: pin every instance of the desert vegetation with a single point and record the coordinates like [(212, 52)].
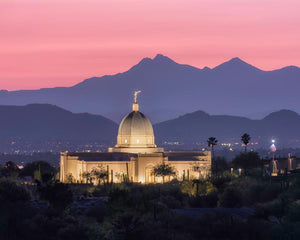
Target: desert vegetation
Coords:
[(226, 205)]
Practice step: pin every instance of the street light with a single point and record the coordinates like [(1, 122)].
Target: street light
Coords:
[(273, 150)]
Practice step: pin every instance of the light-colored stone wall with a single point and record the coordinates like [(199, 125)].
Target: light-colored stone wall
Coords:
[(140, 167), (145, 164)]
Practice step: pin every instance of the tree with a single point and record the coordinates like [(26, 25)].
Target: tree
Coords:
[(246, 160), (212, 141), (59, 195), (10, 192), (245, 139), (88, 176), (219, 165), (39, 170), (70, 178), (230, 198), (100, 174), (163, 170), (10, 170)]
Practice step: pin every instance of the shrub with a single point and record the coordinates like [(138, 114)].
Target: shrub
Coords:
[(205, 201), (10, 192), (261, 193), (247, 161), (59, 195), (230, 198)]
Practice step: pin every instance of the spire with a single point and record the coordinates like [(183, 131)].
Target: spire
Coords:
[(135, 106)]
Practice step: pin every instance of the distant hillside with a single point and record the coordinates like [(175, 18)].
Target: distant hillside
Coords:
[(44, 121), (198, 126), (170, 89)]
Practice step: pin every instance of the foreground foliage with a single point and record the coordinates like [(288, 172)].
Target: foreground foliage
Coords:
[(51, 210)]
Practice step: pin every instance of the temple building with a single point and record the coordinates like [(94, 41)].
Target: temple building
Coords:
[(134, 156)]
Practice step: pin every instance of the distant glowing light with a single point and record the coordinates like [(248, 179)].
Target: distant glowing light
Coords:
[(273, 148)]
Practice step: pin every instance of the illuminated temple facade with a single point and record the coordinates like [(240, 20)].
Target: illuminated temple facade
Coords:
[(134, 156)]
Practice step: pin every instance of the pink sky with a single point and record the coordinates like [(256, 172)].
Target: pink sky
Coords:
[(47, 43)]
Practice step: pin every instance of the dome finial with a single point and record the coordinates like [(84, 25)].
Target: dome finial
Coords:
[(135, 95), (135, 106)]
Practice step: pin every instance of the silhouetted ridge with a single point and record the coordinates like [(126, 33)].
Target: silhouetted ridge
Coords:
[(206, 69), (159, 58), (196, 115), (236, 64), (158, 61), (198, 126), (45, 122), (282, 115), (170, 89)]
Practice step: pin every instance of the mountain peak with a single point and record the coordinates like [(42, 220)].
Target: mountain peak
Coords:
[(236, 60), (236, 64), (283, 114), (159, 58), (159, 55), (147, 62), (206, 68), (196, 115)]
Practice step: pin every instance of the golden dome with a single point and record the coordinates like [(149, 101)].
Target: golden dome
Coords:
[(135, 123)]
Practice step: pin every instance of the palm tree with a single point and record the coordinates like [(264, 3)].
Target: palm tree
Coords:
[(163, 170), (212, 141), (245, 139)]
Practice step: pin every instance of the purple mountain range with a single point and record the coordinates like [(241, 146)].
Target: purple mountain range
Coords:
[(170, 89)]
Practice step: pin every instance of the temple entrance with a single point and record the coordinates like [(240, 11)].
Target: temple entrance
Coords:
[(149, 176)]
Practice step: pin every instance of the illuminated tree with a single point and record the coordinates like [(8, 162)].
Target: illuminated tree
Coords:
[(100, 174), (70, 178), (88, 176), (163, 170)]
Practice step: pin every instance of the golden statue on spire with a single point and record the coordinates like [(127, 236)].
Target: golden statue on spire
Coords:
[(135, 95)]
